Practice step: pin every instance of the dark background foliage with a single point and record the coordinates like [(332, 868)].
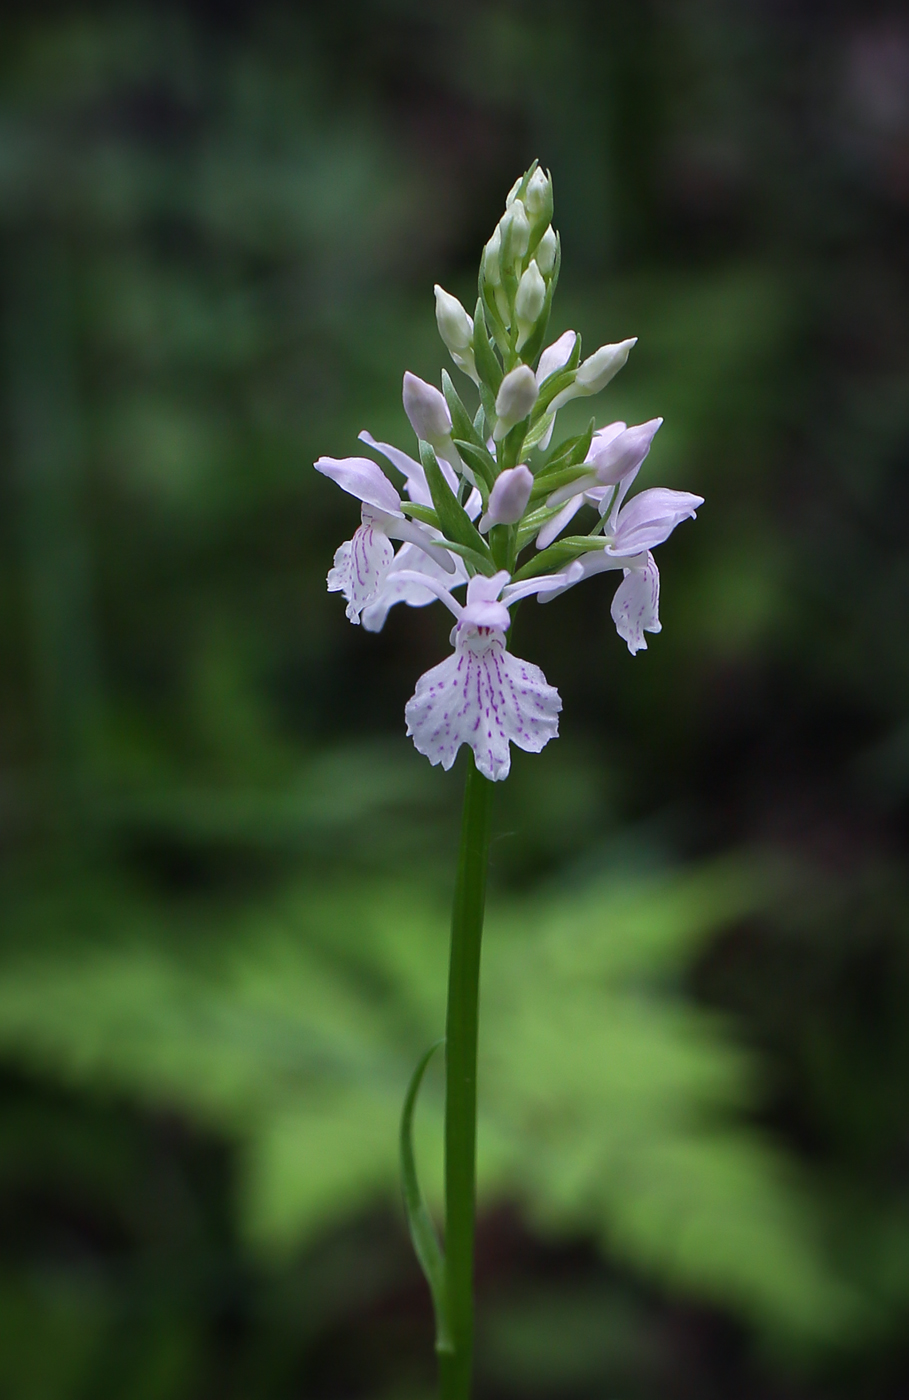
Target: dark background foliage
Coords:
[(220, 226)]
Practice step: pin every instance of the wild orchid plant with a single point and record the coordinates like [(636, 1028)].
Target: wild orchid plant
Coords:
[(486, 507)]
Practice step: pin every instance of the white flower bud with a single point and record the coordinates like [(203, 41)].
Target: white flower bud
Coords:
[(508, 497), (492, 255), (531, 295), (516, 397), (538, 196), (427, 410), (515, 227), (596, 371), (455, 326), (513, 192), (556, 355), (546, 251), (529, 301)]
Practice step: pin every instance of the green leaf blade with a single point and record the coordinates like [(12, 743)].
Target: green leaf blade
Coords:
[(454, 519), (479, 461), (422, 1230)]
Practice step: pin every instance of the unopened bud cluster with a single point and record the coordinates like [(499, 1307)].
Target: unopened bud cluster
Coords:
[(520, 264)]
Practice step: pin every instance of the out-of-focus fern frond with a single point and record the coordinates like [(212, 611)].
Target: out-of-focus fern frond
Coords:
[(610, 1105)]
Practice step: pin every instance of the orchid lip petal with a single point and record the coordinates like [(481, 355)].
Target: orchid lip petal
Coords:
[(485, 697), (635, 607), (360, 567)]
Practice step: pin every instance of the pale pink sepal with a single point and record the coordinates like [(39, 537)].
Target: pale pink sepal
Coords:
[(557, 524), (361, 477), (417, 485), (650, 518)]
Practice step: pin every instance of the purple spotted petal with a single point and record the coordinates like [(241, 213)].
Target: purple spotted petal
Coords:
[(485, 697), (360, 568), (636, 605)]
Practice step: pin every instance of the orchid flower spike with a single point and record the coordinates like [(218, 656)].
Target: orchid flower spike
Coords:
[(488, 488)]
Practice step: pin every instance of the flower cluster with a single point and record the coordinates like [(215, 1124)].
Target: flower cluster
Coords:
[(488, 503)]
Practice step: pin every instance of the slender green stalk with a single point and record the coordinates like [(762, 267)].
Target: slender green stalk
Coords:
[(461, 1082)]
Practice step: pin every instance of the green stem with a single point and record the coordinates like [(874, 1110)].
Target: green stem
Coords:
[(461, 1082)]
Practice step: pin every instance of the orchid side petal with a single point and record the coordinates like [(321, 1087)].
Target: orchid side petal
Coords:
[(573, 488), (473, 505), (557, 524), (400, 586), (595, 561), (435, 586), (544, 583), (419, 535)]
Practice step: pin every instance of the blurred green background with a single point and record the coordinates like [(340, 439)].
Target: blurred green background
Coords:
[(224, 870)]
